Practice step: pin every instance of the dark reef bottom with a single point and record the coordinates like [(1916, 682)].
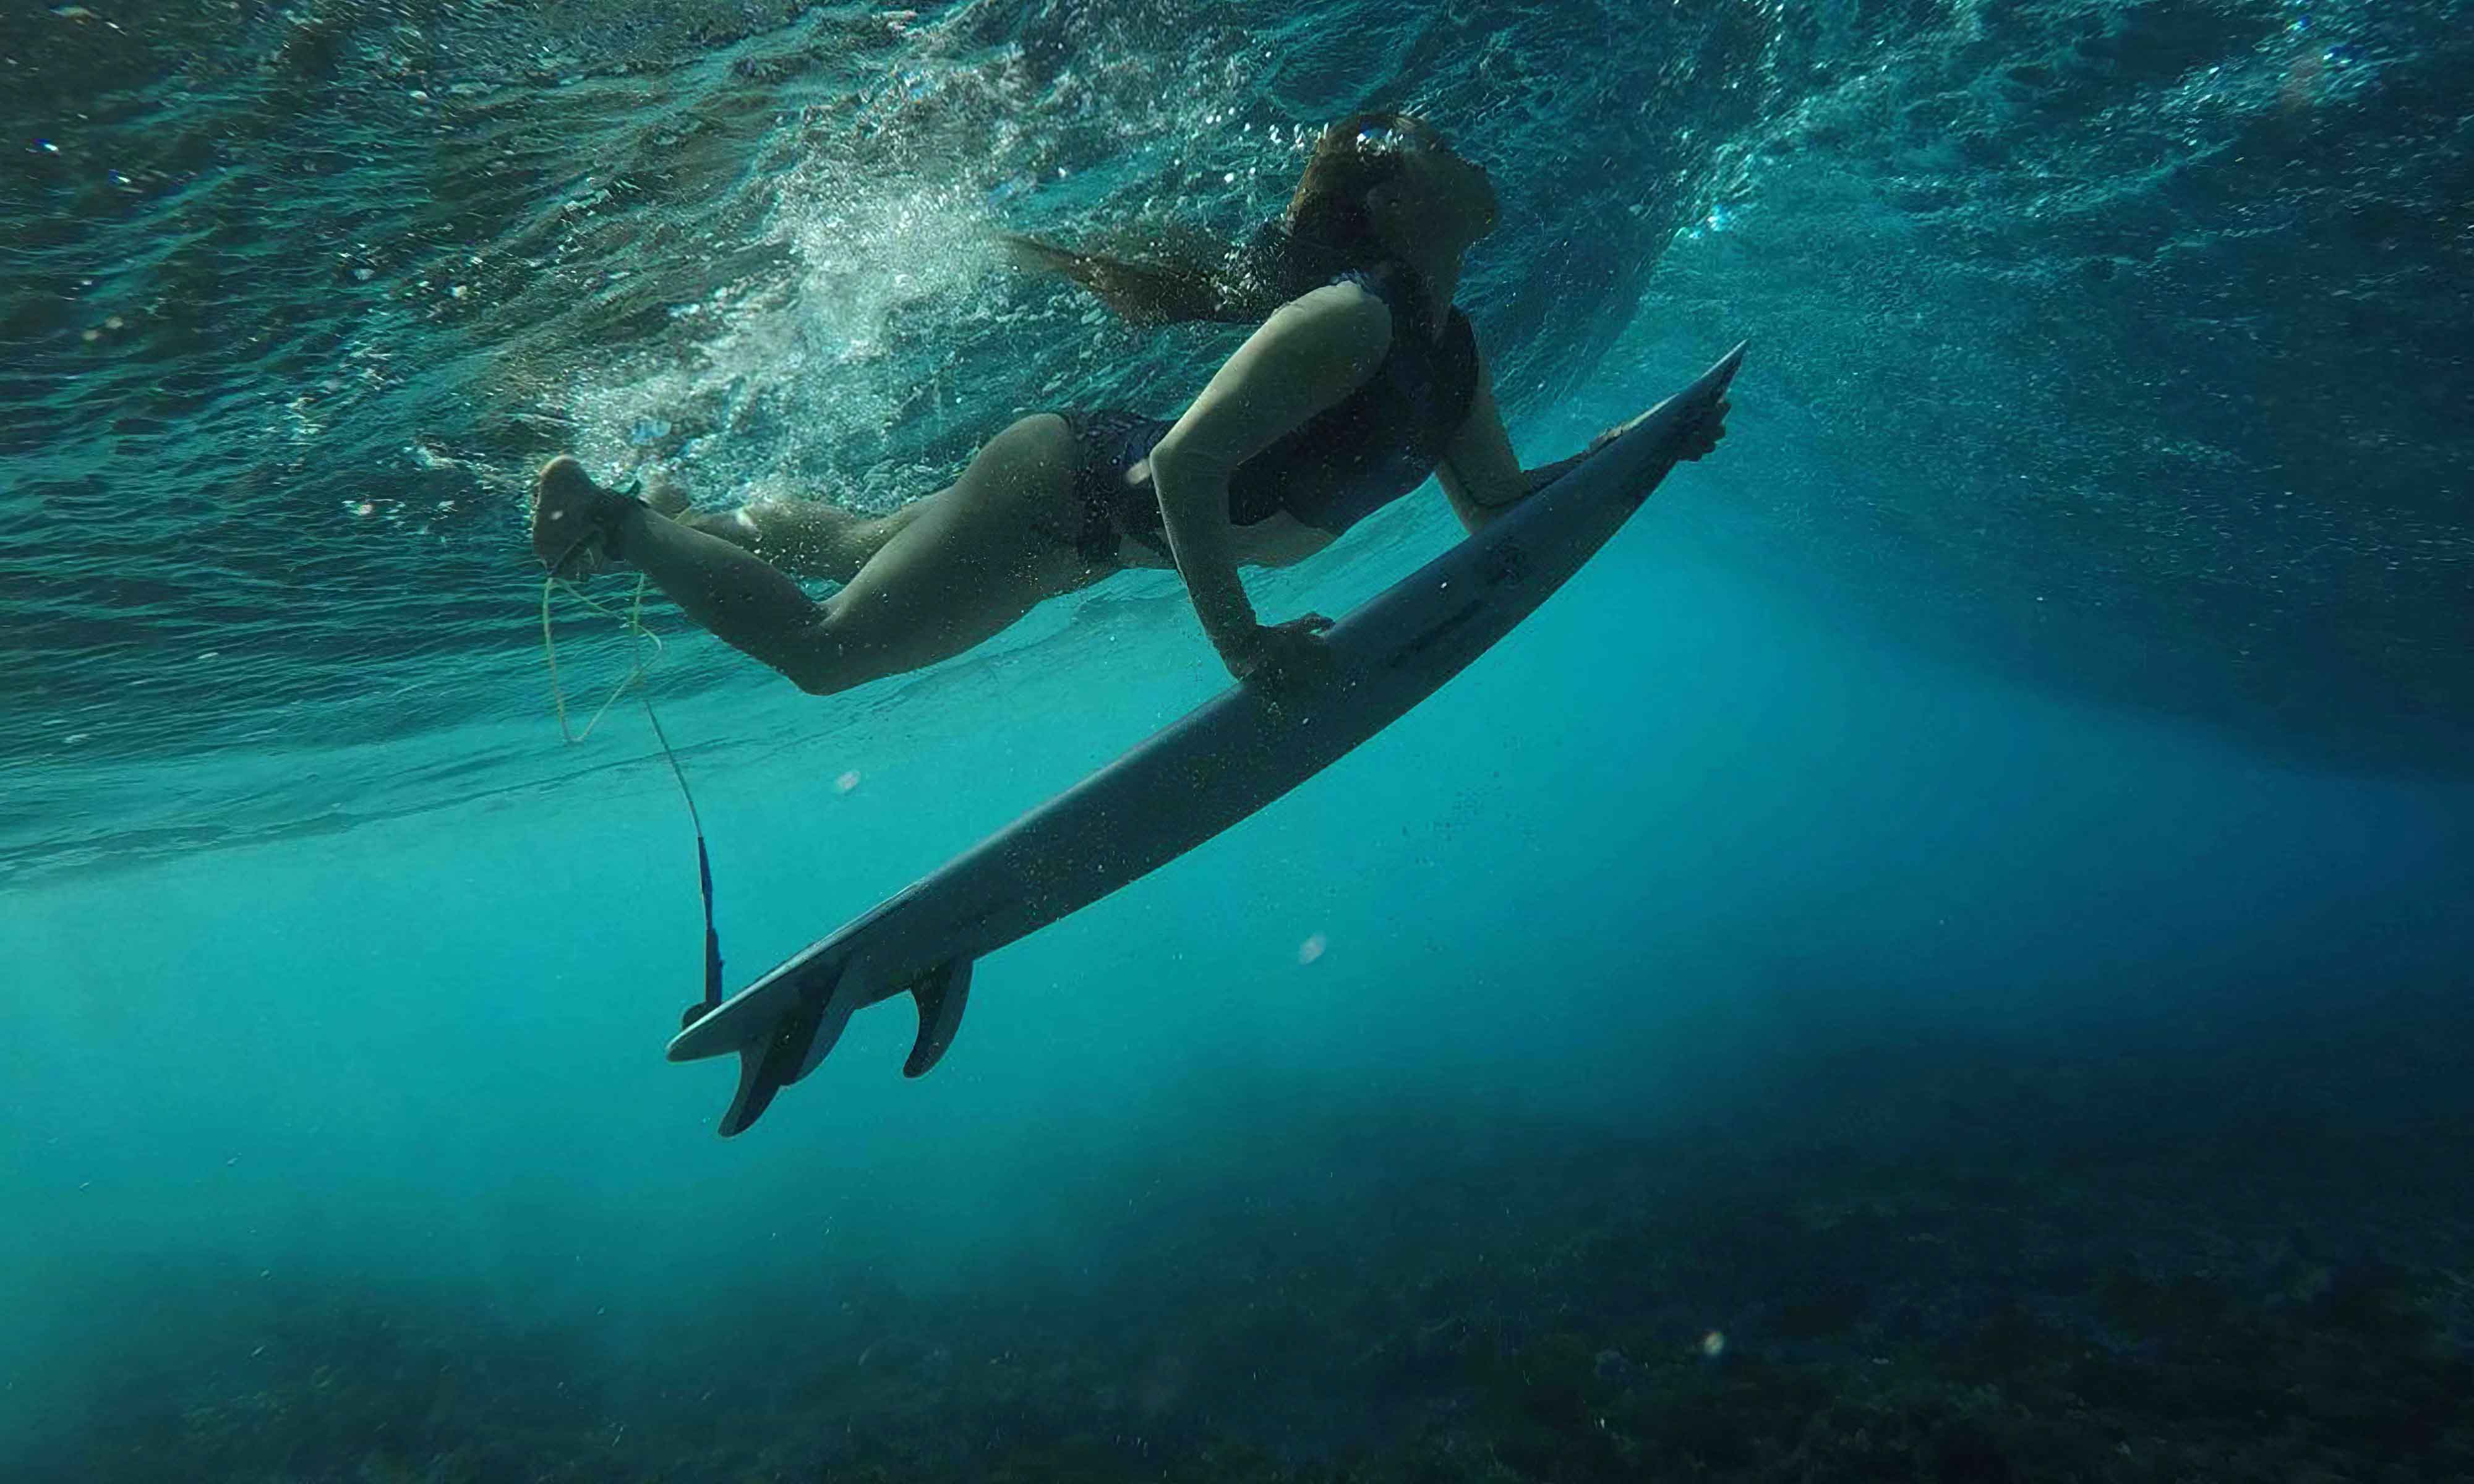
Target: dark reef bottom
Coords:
[(1949, 1264)]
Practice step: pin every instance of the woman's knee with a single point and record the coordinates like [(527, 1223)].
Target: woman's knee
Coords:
[(815, 657)]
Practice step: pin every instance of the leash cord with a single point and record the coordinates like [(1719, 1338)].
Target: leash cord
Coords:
[(638, 667)]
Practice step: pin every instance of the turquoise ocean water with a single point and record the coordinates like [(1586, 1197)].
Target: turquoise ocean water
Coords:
[(1942, 954)]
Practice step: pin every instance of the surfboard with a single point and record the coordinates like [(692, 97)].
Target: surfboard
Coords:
[(1202, 773)]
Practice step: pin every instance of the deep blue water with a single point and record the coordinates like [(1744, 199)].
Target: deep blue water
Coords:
[(1944, 953)]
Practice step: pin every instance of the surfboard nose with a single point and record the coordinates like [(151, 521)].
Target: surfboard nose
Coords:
[(1713, 381)]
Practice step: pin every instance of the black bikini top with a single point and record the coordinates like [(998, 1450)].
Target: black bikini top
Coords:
[(1382, 440)]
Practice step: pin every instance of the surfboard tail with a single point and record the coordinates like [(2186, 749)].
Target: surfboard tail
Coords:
[(804, 1035)]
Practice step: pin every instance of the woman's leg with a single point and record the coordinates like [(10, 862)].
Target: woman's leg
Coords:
[(969, 563), (807, 538)]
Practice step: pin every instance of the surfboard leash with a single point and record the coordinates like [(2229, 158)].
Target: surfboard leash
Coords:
[(637, 669)]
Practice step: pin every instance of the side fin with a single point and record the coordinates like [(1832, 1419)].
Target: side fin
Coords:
[(941, 993), (796, 1043), (756, 1091)]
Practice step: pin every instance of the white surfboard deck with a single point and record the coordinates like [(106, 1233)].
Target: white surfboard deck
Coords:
[(1216, 765)]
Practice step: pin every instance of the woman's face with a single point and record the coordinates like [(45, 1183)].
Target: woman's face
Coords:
[(1437, 188)]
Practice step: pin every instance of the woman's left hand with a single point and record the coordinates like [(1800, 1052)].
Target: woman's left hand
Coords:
[(1285, 656), (1705, 435)]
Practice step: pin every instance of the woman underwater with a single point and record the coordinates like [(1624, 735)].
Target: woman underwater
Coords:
[(1361, 380)]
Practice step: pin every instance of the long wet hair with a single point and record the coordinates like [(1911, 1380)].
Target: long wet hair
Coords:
[(1325, 231)]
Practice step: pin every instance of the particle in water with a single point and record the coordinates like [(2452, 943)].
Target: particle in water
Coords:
[(1312, 949), (846, 782), (1713, 1345)]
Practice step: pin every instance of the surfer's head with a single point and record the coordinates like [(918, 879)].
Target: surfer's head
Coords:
[(1390, 180), (1379, 187)]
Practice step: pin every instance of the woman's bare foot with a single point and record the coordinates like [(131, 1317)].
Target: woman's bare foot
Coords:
[(573, 518)]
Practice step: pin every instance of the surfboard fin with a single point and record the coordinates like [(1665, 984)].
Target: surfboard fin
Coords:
[(790, 1051), (941, 993)]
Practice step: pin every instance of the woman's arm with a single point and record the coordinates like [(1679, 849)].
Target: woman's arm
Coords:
[(1482, 476), (1480, 473), (1306, 357)]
